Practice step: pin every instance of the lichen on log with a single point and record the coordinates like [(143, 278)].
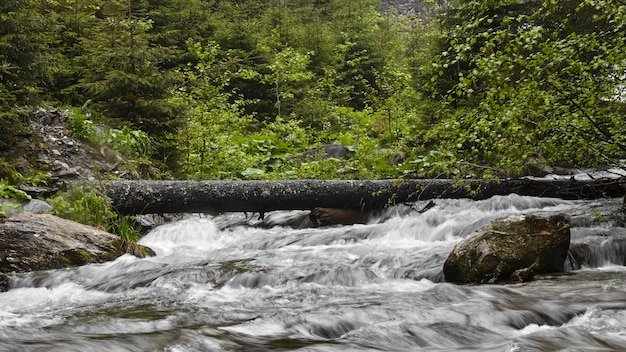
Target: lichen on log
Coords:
[(145, 197)]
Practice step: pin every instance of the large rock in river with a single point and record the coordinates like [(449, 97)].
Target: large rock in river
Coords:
[(513, 249), (30, 242)]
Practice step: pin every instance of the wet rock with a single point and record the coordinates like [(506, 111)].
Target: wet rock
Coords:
[(30, 242), (38, 192), (4, 282), (59, 165), (522, 275), (497, 251), (337, 216), (69, 172), (147, 222), (579, 255), (597, 252)]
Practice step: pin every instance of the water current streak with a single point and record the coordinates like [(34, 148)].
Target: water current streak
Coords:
[(235, 283)]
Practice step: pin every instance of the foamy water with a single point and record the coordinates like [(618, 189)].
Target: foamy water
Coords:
[(235, 283)]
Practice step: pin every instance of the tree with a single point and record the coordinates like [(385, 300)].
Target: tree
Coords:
[(124, 76), (122, 68), (533, 81), (287, 67), (24, 67), (72, 21), (361, 53), (23, 54)]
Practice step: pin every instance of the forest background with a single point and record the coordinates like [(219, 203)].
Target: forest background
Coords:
[(213, 89)]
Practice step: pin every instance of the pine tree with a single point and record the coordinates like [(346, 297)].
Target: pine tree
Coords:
[(23, 64), (122, 73), (23, 55)]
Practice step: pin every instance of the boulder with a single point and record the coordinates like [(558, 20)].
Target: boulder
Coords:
[(30, 242), (513, 249)]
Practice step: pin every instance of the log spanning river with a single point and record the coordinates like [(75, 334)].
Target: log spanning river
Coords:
[(236, 283)]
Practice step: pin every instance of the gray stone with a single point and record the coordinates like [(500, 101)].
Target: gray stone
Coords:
[(69, 173), (327, 151), (15, 206), (37, 206), (30, 242)]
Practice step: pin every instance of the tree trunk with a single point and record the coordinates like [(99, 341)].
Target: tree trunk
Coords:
[(146, 197)]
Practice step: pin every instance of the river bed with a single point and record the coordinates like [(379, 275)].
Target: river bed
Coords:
[(237, 283)]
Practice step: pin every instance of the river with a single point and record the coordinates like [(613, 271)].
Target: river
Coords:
[(237, 283)]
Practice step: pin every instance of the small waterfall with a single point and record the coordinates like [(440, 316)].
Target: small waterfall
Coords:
[(193, 234), (597, 247)]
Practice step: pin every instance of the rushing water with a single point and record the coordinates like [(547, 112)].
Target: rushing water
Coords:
[(231, 283)]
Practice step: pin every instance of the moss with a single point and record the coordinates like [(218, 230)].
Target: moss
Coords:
[(77, 257), (466, 271), (136, 249), (496, 251)]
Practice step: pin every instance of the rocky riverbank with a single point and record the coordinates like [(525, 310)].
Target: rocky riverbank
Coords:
[(31, 242), (65, 159)]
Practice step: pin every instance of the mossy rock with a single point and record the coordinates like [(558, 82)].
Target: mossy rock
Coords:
[(30, 242), (501, 250)]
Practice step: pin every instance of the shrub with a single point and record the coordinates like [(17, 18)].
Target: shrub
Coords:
[(89, 207)]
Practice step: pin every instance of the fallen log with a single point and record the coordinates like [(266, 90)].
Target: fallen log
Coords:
[(148, 197)]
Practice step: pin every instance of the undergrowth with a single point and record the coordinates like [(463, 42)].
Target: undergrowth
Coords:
[(88, 206)]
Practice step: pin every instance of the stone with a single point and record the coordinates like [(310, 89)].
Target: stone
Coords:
[(513, 249), (15, 206), (337, 216), (4, 283), (327, 151), (30, 242), (37, 206), (69, 172)]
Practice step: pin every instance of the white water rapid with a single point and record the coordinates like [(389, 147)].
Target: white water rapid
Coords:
[(229, 283)]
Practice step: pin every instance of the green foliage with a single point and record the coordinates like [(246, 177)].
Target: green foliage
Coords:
[(8, 191), (132, 143), (135, 147), (23, 50), (14, 128), (81, 125), (239, 89), (532, 80), (122, 72), (434, 164), (286, 67), (89, 207), (11, 192), (85, 206), (127, 228), (8, 172)]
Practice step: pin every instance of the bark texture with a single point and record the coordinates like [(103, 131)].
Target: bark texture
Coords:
[(146, 197)]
